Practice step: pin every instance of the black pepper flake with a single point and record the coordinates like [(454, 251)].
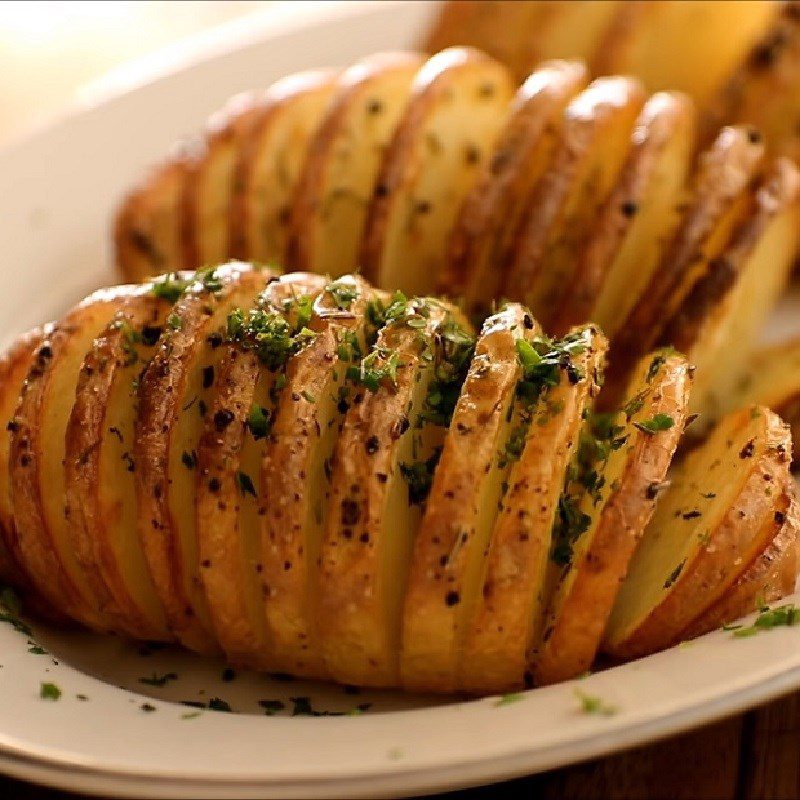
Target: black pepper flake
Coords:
[(228, 674), (452, 598), (222, 419), (351, 512), (374, 106), (12, 426), (748, 450), (214, 485), (372, 445), (780, 517), (208, 377), (214, 340), (692, 514), (629, 208)]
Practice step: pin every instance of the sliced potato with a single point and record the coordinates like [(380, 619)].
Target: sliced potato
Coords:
[(457, 106), (522, 34), (770, 577), (231, 498), (100, 499), (296, 471), (270, 162), (720, 201), (690, 46), (708, 528), (148, 228), (37, 459), (208, 195), (483, 236), (510, 603), (594, 143), (619, 471), (639, 217), (344, 156), (763, 90), (382, 467), (174, 393), (453, 535), (717, 326), (14, 367)]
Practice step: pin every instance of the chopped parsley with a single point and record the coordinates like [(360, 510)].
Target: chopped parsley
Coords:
[(49, 691), (543, 360), (508, 699), (209, 279), (513, 447), (245, 483), (159, 680), (342, 293), (659, 422), (569, 525), (170, 288), (174, 322), (786, 615), (590, 704), (379, 367), (419, 477), (268, 334), (217, 704), (272, 707), (189, 459), (259, 421)]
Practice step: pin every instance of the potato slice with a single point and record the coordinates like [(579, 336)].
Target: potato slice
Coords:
[(457, 106), (708, 528), (483, 236), (453, 536), (174, 393), (763, 91), (770, 577), (720, 201), (594, 143), (382, 468), (37, 458), (14, 366), (510, 607), (639, 217), (690, 47), (148, 228), (100, 499), (339, 174), (208, 195), (296, 471), (523, 34), (270, 161), (231, 500), (620, 468), (717, 326)]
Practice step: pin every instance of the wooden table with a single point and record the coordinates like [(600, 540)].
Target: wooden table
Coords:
[(754, 756)]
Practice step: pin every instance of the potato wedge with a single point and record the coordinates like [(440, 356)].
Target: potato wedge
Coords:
[(483, 236), (208, 196), (37, 459), (14, 367), (296, 473), (523, 34), (717, 326), (770, 577), (510, 606), (382, 468), (720, 201), (270, 161), (148, 228), (453, 535), (595, 141), (174, 392), (457, 106), (685, 46), (637, 220), (620, 468), (763, 90), (100, 499), (344, 156), (231, 498), (708, 528)]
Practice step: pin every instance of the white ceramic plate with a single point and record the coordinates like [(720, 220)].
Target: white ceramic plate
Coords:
[(106, 734)]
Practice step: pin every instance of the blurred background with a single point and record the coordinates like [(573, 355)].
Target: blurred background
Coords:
[(52, 53)]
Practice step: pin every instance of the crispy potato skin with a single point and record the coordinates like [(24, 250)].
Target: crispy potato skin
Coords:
[(161, 401), (509, 613), (39, 532), (574, 627), (771, 576), (482, 238), (717, 567), (220, 500)]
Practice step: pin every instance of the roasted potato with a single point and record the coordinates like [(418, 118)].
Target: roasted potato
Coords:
[(709, 526), (38, 484), (457, 106), (381, 471), (640, 215), (482, 239), (232, 498), (509, 607), (344, 156), (621, 465), (594, 143), (174, 392), (270, 161)]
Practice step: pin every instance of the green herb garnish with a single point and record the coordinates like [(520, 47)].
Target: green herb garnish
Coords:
[(659, 422), (591, 704), (786, 615), (419, 477), (49, 691)]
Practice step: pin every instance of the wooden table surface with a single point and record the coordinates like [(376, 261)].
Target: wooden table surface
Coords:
[(754, 756)]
